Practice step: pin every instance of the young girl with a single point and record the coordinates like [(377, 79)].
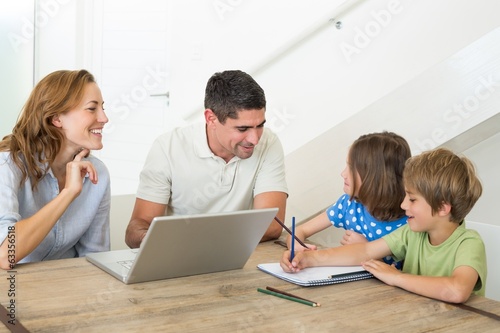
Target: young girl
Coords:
[(373, 186), (55, 197)]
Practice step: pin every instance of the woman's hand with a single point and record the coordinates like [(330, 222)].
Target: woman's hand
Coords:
[(76, 171)]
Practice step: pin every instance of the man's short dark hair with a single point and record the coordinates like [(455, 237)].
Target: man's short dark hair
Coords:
[(231, 91)]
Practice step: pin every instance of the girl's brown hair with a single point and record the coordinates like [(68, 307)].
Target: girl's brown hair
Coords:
[(379, 160), (35, 141)]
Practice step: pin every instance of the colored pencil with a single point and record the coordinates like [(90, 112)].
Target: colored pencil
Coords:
[(298, 300), (291, 295), (289, 231), (292, 250), (280, 242)]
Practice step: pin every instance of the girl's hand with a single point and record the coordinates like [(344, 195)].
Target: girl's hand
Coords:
[(351, 237), (297, 264), (299, 247)]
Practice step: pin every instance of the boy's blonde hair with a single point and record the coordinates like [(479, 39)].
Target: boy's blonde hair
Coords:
[(441, 176)]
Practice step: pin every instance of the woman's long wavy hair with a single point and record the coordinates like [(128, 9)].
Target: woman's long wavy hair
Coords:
[(35, 141)]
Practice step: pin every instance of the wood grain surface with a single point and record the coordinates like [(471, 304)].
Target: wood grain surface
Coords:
[(72, 295)]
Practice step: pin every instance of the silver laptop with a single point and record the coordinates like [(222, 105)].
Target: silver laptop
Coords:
[(176, 246)]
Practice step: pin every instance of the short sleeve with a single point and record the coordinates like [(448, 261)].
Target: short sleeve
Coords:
[(398, 242), (271, 173), (155, 177), (472, 253), (336, 212)]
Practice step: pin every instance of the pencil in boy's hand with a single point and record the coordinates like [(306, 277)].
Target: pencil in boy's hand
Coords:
[(298, 300), (291, 295), (289, 231)]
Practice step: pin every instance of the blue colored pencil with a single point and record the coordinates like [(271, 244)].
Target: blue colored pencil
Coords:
[(292, 250)]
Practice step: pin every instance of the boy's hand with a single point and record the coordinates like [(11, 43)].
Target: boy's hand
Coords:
[(382, 271)]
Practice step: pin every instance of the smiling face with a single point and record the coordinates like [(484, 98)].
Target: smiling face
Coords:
[(236, 137), (82, 126), (419, 212)]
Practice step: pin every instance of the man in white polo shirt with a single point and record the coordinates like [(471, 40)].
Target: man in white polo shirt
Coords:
[(228, 163)]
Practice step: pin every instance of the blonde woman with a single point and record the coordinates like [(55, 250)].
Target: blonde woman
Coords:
[(55, 195)]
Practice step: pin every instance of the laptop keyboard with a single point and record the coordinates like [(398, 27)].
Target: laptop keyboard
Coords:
[(126, 263)]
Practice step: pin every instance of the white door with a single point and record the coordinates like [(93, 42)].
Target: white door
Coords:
[(130, 62)]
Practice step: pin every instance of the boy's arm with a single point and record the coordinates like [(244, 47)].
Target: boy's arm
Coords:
[(456, 288), (347, 255)]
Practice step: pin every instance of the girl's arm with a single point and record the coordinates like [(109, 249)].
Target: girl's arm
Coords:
[(309, 228)]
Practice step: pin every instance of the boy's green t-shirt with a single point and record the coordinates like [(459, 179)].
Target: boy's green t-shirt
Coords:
[(463, 247)]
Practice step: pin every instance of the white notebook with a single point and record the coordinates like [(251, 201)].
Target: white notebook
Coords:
[(317, 276)]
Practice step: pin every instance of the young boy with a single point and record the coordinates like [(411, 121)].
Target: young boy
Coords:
[(442, 259)]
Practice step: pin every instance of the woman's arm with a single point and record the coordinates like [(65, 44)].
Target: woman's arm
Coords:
[(30, 232)]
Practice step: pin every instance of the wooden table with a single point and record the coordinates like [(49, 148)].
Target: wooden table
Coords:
[(73, 295)]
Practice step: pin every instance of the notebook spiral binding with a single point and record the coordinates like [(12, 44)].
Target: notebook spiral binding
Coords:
[(341, 278)]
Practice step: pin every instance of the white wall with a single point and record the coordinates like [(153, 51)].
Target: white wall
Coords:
[(16, 59), (443, 102), (412, 37), (486, 159), (382, 45)]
